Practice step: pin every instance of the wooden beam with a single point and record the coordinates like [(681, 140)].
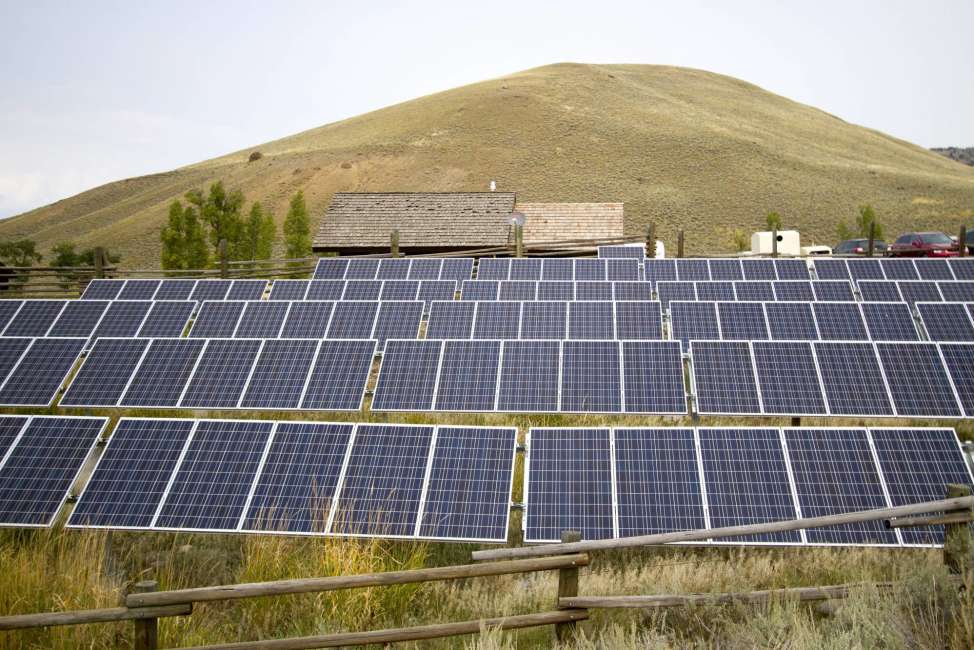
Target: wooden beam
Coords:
[(417, 633), (936, 520), (567, 588), (310, 585), (85, 616), (728, 531), (145, 634), (958, 546)]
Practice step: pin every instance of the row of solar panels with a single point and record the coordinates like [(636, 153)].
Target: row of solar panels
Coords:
[(819, 290), (659, 270), (622, 482), (94, 318), (174, 289), (408, 481)]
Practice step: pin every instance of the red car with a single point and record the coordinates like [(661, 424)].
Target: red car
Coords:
[(923, 244)]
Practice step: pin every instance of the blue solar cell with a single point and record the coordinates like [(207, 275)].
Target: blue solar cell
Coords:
[(35, 318), (221, 374), (40, 373), (918, 380), (425, 269), (325, 290), (591, 320), (963, 268), (568, 484), (590, 270), (788, 378), (10, 427), (340, 375), (946, 321), (693, 321), (790, 321), (8, 308), (330, 268), (758, 291), (917, 464), (359, 269), (530, 371), (558, 270), (762, 269), (407, 378), (479, 290), (672, 291), (659, 270), (497, 320), (289, 289), (889, 321), (692, 270), (105, 373), (211, 290), (167, 318), (518, 290), (469, 490), (457, 268), (399, 290), (262, 319), (835, 473), (746, 476), (139, 290), (794, 290), (11, 350), (919, 291), (175, 290), (123, 318), (297, 482), (280, 374), (653, 377), (726, 270), (831, 270), (840, 321), (852, 379), (353, 320), (637, 251), (879, 291), (554, 290), (833, 290), (102, 289), (397, 320), (657, 481), (494, 269), (79, 318), (162, 376), (591, 378), (622, 271), (593, 291), (899, 269), (638, 321), (742, 321), (933, 269), (362, 290), (957, 291), (128, 483), (217, 319), (792, 269), (865, 270), (430, 290), (468, 376), (714, 291), (307, 320), (632, 291), (959, 361), (544, 320), (43, 464), (450, 320), (214, 479), (723, 378)]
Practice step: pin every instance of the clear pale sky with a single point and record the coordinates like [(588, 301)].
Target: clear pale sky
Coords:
[(97, 91)]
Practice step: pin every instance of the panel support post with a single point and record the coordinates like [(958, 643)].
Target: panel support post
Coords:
[(962, 242), (224, 259), (146, 635), (651, 240), (394, 243), (519, 241), (958, 547), (567, 588), (99, 262), (872, 239), (679, 244), (774, 243)]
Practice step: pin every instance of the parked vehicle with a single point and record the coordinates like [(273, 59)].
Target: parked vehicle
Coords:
[(923, 244), (969, 241), (859, 247)]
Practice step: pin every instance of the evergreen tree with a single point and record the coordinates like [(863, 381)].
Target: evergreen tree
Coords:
[(867, 217), (220, 210), (774, 221), (297, 229), (183, 240), (259, 234)]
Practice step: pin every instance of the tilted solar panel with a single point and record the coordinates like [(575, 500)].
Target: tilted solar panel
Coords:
[(945, 321), (715, 291), (788, 378), (692, 270), (353, 319), (919, 291), (518, 290), (399, 290), (852, 379), (139, 290), (622, 270), (105, 372), (162, 376), (544, 320), (590, 270), (879, 291), (211, 290), (8, 308), (40, 372), (833, 290), (723, 378), (10, 428), (590, 290), (963, 267), (450, 320), (479, 290), (123, 318), (330, 268), (11, 350), (694, 321), (430, 290), (359, 269), (632, 291), (790, 321), (659, 270), (959, 361), (35, 318), (742, 321), (407, 378), (362, 290), (280, 374), (637, 251), (217, 319), (468, 376), (340, 375), (326, 290), (79, 318), (425, 269), (554, 290), (638, 320), (530, 376), (102, 289), (726, 270), (397, 320), (221, 374), (889, 321), (494, 269), (497, 320), (591, 320), (653, 377), (754, 290), (761, 269), (840, 321), (262, 319), (865, 270), (591, 378), (831, 269), (553, 269), (933, 269), (175, 290), (307, 320), (918, 380), (899, 269), (457, 268), (289, 289), (792, 269), (795, 290), (956, 291), (167, 318)]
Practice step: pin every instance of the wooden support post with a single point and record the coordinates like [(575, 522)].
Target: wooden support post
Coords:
[(394, 243), (962, 242), (679, 244), (872, 239), (958, 548), (146, 635), (651, 240), (221, 249), (774, 243), (567, 588), (519, 241), (99, 262)]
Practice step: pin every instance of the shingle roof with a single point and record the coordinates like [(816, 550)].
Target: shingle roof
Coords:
[(545, 222), (427, 219)]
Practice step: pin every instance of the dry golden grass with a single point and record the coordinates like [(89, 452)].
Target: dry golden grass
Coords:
[(683, 148)]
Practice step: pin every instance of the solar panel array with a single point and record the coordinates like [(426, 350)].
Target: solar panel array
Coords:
[(626, 481), (195, 290), (306, 478), (337, 268), (94, 318), (755, 290)]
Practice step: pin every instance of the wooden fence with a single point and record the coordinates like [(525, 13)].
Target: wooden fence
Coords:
[(145, 606)]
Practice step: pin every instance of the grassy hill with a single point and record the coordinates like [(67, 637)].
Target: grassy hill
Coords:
[(684, 148)]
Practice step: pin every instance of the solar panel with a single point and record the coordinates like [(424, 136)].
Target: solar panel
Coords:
[(162, 376), (79, 318), (788, 378), (353, 320), (946, 321), (756, 291), (11, 350), (920, 291), (632, 291), (494, 269), (590, 270), (280, 374), (262, 319), (852, 379), (425, 269), (587, 290), (794, 290), (865, 270), (289, 289), (671, 291), (139, 290), (831, 270), (8, 308), (167, 318), (553, 290), (307, 320), (591, 320), (217, 319), (383, 482), (591, 377), (102, 289), (530, 375), (450, 320), (123, 318), (659, 270), (917, 380), (340, 375), (10, 427), (468, 492), (747, 481), (792, 269), (638, 321), (407, 378), (430, 290), (211, 290), (360, 269), (544, 320), (457, 268), (932, 269), (468, 376), (957, 291), (692, 270), (637, 251), (105, 373), (497, 320), (790, 321), (397, 320), (131, 476), (518, 290), (331, 268), (42, 466), (693, 320), (478, 290), (41, 371), (762, 269), (959, 361), (879, 291), (399, 290), (726, 270), (889, 321), (560, 270), (568, 484), (653, 377), (221, 374), (834, 473), (362, 290), (899, 269), (657, 481), (723, 378), (622, 271), (840, 321), (714, 291), (297, 481), (833, 290), (962, 267), (917, 464), (209, 490), (175, 290), (326, 290), (742, 321)]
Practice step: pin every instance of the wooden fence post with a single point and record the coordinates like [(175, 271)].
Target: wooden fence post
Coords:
[(394, 243), (958, 548), (567, 588), (146, 635), (519, 241), (224, 259), (651, 240), (99, 262), (679, 244), (962, 242), (872, 239), (774, 242)]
